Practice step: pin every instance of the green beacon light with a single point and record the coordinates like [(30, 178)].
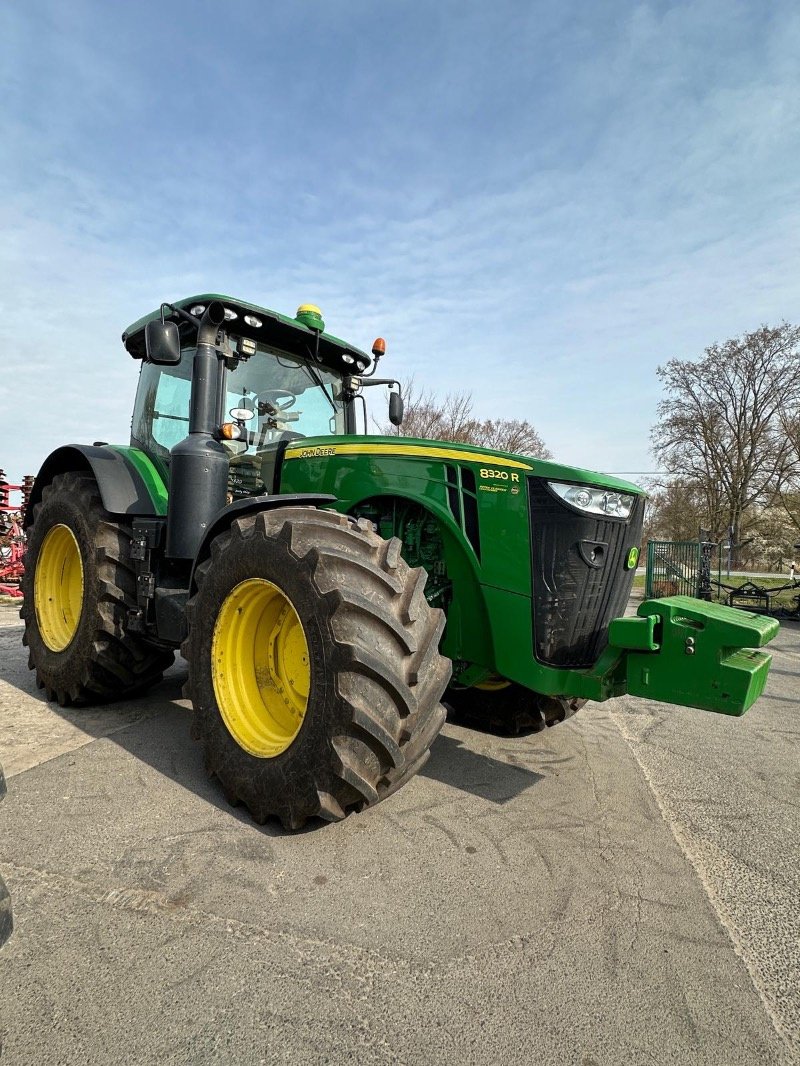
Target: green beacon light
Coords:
[(310, 316)]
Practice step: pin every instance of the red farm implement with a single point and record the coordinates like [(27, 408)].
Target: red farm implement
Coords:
[(12, 537)]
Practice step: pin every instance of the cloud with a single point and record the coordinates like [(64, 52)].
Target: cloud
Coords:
[(535, 203)]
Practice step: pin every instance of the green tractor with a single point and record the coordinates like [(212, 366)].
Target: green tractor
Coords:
[(330, 589)]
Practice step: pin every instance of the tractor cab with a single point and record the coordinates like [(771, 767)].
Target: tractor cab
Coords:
[(282, 379), (268, 398)]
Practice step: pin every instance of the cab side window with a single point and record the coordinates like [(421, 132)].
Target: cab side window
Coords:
[(161, 413), (171, 410)]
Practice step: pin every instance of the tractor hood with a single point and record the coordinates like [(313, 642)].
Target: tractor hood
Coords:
[(414, 447)]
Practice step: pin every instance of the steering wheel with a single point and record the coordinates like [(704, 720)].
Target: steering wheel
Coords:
[(289, 400)]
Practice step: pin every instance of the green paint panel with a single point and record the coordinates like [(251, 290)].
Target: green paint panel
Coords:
[(149, 474), (488, 563), (363, 483)]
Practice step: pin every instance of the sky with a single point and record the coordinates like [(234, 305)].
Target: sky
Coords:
[(537, 203)]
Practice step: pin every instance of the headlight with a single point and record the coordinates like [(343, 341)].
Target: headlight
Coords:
[(593, 500)]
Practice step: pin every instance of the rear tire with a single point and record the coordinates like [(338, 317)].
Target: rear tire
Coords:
[(510, 711), (76, 632), (374, 674)]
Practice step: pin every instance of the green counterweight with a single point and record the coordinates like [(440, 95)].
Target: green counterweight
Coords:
[(695, 653)]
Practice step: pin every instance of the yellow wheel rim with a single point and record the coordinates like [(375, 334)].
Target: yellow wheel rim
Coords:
[(58, 587), (260, 668)]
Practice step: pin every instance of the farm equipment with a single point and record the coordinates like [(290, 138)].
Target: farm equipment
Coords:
[(12, 550), (12, 537), (754, 596), (329, 589)]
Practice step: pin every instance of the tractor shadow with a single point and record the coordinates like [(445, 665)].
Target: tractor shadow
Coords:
[(163, 741), (455, 763), (155, 729)]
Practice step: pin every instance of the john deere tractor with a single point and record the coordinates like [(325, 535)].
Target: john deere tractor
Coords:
[(329, 589)]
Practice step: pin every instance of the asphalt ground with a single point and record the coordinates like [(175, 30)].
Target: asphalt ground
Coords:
[(624, 888)]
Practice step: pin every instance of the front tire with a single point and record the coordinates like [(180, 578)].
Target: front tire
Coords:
[(314, 667), (78, 586)]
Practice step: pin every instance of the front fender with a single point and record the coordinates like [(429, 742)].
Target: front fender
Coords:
[(128, 481), (251, 505)]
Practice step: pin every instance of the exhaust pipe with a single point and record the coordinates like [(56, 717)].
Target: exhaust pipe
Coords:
[(198, 479), (212, 319)]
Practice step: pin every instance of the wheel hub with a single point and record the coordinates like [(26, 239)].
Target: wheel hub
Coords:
[(260, 668), (58, 587)]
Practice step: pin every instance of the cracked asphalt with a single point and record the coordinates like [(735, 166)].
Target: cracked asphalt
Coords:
[(622, 889)]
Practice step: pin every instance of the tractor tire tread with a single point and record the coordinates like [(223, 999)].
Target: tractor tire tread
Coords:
[(385, 690)]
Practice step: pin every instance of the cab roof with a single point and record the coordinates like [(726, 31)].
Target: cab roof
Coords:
[(288, 334)]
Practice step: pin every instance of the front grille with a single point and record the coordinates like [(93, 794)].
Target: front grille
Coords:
[(579, 578)]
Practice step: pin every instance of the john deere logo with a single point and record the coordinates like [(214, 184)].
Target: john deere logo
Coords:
[(633, 559)]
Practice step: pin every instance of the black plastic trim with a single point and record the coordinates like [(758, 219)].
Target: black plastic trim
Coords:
[(579, 577), (469, 495), (453, 498)]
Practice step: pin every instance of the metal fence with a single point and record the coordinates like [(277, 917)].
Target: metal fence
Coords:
[(681, 568)]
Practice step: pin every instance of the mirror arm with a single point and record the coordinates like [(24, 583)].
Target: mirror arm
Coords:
[(181, 314), (207, 325), (380, 381)]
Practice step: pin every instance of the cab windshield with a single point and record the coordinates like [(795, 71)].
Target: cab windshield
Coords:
[(284, 397), (290, 397)]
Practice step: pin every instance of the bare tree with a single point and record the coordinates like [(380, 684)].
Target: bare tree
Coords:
[(451, 419), (721, 427), (675, 511), (789, 495), (512, 435), (427, 416)]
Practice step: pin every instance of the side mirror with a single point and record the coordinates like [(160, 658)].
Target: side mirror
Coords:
[(395, 409), (162, 343)]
